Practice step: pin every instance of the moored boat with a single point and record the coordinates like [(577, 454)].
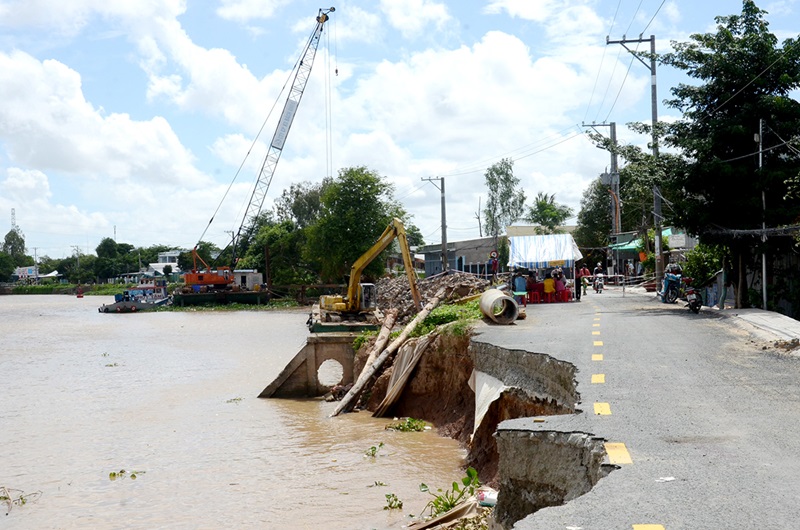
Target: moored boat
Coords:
[(143, 297)]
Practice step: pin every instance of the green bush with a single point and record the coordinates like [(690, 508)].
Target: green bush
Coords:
[(464, 314)]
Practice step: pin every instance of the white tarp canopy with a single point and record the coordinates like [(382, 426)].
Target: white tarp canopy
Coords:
[(536, 252)]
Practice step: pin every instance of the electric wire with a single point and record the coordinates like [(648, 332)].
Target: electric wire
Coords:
[(483, 165), (600, 68), (253, 144), (654, 16)]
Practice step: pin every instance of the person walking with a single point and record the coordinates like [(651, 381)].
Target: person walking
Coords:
[(578, 283), (585, 274)]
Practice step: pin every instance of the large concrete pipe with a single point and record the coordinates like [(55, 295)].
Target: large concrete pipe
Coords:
[(499, 307)]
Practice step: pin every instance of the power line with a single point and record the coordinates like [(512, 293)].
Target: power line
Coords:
[(654, 16)]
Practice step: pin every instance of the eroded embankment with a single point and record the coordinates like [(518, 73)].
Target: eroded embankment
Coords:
[(533, 468)]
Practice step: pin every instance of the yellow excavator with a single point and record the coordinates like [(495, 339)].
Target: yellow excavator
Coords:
[(355, 310)]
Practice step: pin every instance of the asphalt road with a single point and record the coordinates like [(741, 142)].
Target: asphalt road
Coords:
[(709, 418)]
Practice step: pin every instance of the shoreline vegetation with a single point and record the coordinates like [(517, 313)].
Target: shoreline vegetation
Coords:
[(112, 289)]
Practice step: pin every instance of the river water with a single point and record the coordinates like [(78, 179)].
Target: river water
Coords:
[(173, 397)]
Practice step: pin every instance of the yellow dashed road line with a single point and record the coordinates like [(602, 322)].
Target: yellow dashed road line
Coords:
[(595, 332), (618, 453), (598, 379), (598, 343), (597, 356), (602, 409), (648, 527)]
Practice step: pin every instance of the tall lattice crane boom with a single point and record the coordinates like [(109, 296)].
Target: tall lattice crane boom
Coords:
[(281, 132)]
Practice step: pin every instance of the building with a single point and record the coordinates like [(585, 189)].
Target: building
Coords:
[(472, 255)]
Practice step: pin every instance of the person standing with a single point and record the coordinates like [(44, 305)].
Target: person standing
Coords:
[(578, 283), (585, 274)]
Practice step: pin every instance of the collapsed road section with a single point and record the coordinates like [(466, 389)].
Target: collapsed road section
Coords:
[(515, 411)]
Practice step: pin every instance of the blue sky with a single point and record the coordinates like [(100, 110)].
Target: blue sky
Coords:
[(135, 115)]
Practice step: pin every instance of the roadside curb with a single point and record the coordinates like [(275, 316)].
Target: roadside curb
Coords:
[(778, 325)]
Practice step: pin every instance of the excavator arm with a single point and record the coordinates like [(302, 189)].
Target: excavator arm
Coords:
[(394, 230), (352, 303)]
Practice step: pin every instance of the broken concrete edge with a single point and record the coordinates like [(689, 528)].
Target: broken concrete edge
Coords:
[(539, 375), (546, 461)]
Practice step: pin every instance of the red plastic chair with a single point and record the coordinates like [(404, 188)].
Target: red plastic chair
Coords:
[(534, 298)]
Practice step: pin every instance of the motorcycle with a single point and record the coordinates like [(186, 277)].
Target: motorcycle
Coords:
[(693, 298), (676, 286), (598, 284)]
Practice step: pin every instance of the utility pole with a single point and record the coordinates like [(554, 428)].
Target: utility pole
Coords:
[(478, 217), (445, 265), (612, 181), (612, 178), (760, 137), (654, 116), (78, 256), (35, 264)]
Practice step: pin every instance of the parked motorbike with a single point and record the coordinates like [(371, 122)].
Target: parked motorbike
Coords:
[(693, 298), (676, 286), (598, 284)]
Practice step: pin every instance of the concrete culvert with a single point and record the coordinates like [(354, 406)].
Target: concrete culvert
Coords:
[(499, 307)]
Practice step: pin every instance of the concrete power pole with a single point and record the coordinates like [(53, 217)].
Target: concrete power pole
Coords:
[(445, 265), (654, 117)]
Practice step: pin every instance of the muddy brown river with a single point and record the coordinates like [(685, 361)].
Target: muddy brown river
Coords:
[(172, 396)]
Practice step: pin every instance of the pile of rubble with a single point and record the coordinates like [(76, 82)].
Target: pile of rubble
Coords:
[(396, 293)]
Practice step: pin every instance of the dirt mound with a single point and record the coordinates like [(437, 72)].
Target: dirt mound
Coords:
[(396, 293)]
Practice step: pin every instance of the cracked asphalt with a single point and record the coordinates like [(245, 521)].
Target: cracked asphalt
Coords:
[(706, 406)]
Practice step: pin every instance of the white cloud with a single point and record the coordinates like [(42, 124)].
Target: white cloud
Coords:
[(46, 123), (412, 17), (70, 17), (245, 10)]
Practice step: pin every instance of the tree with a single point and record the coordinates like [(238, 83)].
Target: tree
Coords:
[(414, 236), (594, 222), (301, 203), (548, 214), (6, 266), (107, 249), (204, 250), (356, 208), (743, 77), (14, 246), (506, 200), (167, 270), (285, 244)]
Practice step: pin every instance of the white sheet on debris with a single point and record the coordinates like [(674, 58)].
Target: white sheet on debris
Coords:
[(487, 389)]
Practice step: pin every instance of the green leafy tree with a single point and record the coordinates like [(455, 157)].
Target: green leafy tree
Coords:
[(6, 266), (150, 254), (105, 268), (594, 222), (284, 243), (107, 249), (14, 246), (48, 264), (204, 250), (742, 76), (301, 203), (356, 208), (506, 200), (547, 213), (414, 236)]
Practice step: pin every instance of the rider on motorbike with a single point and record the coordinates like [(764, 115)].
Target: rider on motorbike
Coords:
[(598, 278)]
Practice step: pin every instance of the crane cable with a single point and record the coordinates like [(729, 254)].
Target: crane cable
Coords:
[(253, 143)]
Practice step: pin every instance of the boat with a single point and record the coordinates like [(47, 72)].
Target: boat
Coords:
[(145, 296), (236, 295)]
